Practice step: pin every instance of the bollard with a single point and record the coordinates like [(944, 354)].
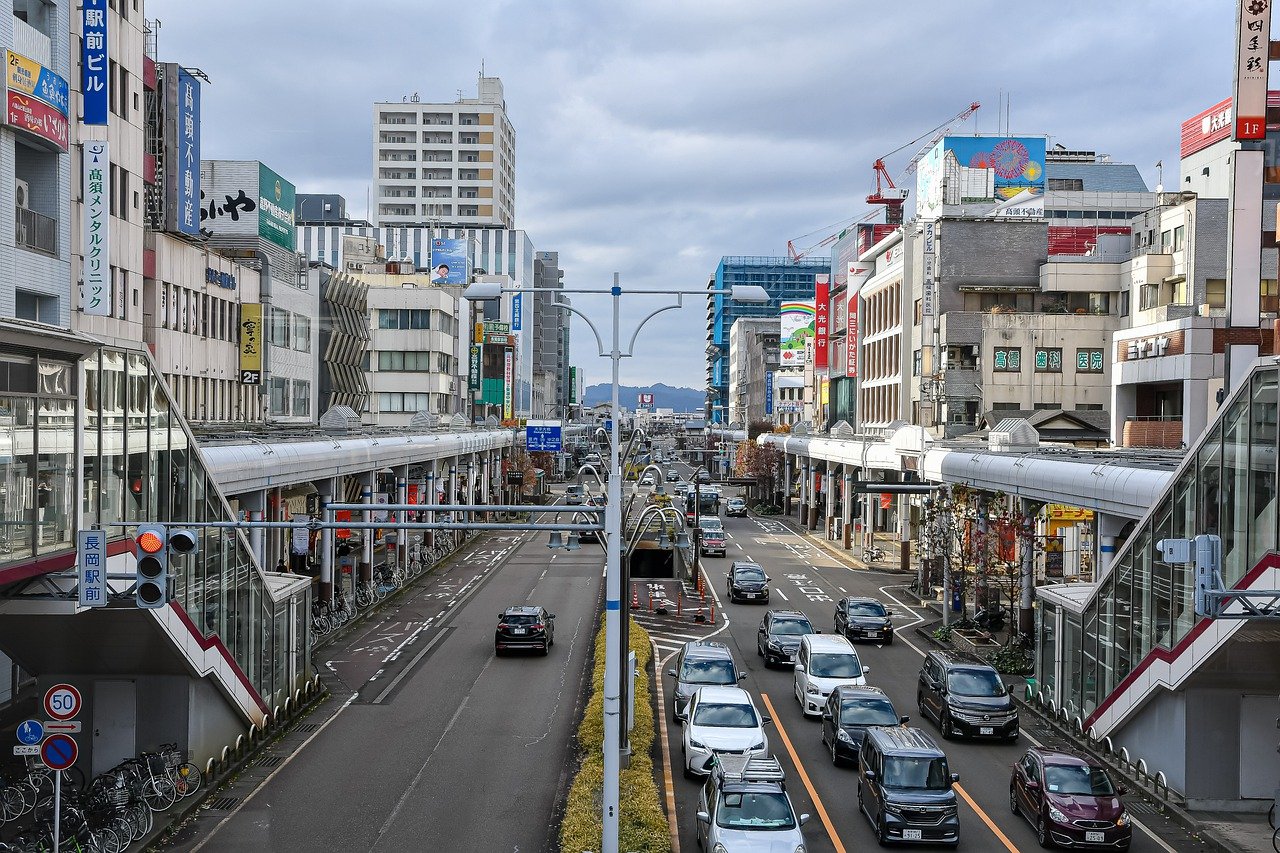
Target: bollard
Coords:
[(650, 601), (679, 602), (713, 613)]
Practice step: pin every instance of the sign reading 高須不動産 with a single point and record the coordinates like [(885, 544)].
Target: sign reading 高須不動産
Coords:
[(182, 150), (1253, 46), (96, 285)]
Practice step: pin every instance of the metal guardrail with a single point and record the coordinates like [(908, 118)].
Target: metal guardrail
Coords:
[(36, 231)]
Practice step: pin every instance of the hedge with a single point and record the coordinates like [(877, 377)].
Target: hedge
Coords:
[(642, 822)]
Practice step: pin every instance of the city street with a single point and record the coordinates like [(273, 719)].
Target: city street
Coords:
[(808, 578), (440, 745)]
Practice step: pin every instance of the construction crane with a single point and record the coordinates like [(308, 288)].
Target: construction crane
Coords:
[(832, 232), (892, 196)]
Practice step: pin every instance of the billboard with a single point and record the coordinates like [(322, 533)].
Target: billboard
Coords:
[(275, 209), (251, 343), (644, 401), (38, 119), (1253, 45), (1205, 128), (245, 198), (992, 176), (508, 380), (95, 242), (448, 261), (573, 386), (821, 320), (181, 137), (795, 329), (858, 273), (29, 77), (94, 77)]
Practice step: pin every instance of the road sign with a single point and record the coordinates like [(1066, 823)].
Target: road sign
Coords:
[(62, 702), (91, 561), (58, 752), (24, 749), (64, 726), (542, 436), (30, 733)]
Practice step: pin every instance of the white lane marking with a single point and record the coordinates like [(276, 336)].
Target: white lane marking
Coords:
[(782, 594), (1157, 839), (842, 589), (739, 544)]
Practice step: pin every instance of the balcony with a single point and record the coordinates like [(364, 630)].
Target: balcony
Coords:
[(1158, 432), (36, 232)]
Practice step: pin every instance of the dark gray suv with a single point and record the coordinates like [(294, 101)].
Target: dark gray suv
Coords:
[(966, 697), (698, 664)]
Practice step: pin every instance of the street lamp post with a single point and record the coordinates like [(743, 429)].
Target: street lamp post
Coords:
[(613, 520)]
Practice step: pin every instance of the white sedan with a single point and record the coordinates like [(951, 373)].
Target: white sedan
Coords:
[(722, 719)]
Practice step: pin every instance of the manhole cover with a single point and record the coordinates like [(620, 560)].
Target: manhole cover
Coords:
[(270, 761), (307, 727), (222, 804)]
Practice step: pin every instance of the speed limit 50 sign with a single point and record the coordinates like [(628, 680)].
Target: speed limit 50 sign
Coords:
[(62, 702)]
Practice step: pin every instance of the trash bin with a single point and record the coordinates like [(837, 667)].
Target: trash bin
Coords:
[(1032, 688)]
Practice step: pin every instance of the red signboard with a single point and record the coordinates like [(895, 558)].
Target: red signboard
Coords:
[(821, 320), (37, 118), (1203, 129)]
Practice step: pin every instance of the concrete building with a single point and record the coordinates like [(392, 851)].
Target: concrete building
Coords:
[(550, 329), (783, 278), (753, 348), (319, 209), (35, 173), (446, 163)]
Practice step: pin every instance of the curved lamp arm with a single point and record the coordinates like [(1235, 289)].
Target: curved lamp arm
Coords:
[(631, 345), (594, 330)]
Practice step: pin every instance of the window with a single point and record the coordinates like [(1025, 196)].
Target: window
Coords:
[(1215, 291), (1049, 360), (301, 398), (1089, 407), (1166, 242), (1089, 360), (404, 318), (397, 402), (302, 333), (1270, 296), (1149, 296), (1179, 237), (915, 363), (278, 391), (419, 362), (1008, 360), (278, 331), (1006, 407)]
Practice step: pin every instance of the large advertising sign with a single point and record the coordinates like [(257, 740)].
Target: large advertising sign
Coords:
[(644, 401), (275, 209), (38, 119), (181, 150), (95, 240), (821, 320), (573, 386), (992, 176), (94, 81), (244, 197), (250, 343), (29, 77), (448, 261), (1253, 45), (473, 371), (794, 331), (36, 100), (858, 273), (1205, 128)]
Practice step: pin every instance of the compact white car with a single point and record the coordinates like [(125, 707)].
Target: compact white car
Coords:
[(721, 720), (823, 663)]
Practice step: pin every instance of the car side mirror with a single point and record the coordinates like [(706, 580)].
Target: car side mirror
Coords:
[(804, 818), (817, 630), (671, 672), (1009, 686), (741, 675), (704, 817), (551, 616), (865, 669), (955, 777), (870, 775), (1033, 785), (799, 667), (826, 714), (765, 719), (902, 721)]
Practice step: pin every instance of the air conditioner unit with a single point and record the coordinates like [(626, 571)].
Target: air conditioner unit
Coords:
[(22, 193)]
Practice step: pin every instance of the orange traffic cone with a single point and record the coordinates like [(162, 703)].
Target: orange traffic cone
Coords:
[(635, 599)]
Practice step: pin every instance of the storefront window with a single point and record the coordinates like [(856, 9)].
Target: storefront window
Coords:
[(1048, 663), (1262, 471), (17, 478), (1234, 518), (55, 477)]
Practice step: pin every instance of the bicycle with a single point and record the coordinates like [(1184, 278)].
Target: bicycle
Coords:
[(1275, 840), (872, 555), (186, 776)]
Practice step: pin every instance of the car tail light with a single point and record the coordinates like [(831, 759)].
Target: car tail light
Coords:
[(502, 626), (538, 627)]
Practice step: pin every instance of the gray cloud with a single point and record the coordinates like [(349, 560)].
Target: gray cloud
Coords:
[(655, 137)]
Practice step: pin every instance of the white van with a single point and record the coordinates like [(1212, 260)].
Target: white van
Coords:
[(823, 663)]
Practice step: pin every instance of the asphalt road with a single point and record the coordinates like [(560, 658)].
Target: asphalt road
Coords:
[(442, 746), (806, 577)]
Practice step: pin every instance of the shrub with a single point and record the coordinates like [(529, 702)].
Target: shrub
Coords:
[(942, 634), (1013, 658), (643, 824)]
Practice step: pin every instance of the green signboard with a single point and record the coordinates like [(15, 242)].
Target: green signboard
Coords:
[(573, 385), (275, 209), (473, 374)]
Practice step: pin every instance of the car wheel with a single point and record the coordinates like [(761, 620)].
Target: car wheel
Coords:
[(888, 640), (882, 834), (1013, 738), (760, 653), (1042, 834), (948, 729), (835, 759), (1013, 800), (920, 704), (546, 649)]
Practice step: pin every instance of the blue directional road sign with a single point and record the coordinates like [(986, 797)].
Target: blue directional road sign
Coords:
[(30, 732), (542, 436), (59, 752)]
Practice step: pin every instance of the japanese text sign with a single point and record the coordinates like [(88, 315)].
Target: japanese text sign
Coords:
[(92, 564), (93, 60), (31, 78), (821, 320), (1253, 45), (95, 293), (251, 343)]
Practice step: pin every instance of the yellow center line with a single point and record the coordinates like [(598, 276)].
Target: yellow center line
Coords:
[(991, 824), (804, 777)]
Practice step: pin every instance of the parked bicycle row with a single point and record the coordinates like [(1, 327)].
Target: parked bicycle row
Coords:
[(107, 815)]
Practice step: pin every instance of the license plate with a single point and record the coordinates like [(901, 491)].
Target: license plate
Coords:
[(911, 835), (749, 595), (517, 630), (1095, 837), (986, 730)]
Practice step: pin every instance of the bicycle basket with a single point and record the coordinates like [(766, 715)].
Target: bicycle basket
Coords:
[(156, 764)]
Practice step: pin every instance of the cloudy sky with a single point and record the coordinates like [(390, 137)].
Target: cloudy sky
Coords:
[(654, 137)]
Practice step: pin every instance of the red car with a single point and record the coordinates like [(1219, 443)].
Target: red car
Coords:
[(1070, 801)]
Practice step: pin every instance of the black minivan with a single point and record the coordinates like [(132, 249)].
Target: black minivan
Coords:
[(966, 697), (904, 787)]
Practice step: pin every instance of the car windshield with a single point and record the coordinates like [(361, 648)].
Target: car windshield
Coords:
[(867, 711), (791, 627), (712, 524), (725, 716), (866, 608), (749, 574), (835, 665), (921, 774), (975, 682), (520, 619), (1078, 779), (708, 672), (755, 810)]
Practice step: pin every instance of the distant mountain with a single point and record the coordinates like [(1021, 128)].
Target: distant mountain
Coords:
[(664, 396)]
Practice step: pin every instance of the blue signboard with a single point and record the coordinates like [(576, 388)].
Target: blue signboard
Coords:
[(188, 177), (768, 392), (517, 319), (93, 60), (30, 732), (542, 435), (448, 261)]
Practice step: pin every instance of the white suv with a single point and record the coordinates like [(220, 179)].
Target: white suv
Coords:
[(823, 663)]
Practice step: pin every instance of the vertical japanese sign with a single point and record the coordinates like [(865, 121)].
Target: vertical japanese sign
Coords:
[(473, 372), (251, 343), (1253, 38), (517, 312), (93, 60), (182, 150), (92, 564), (508, 379), (95, 293), (821, 320), (768, 392), (928, 308), (573, 385), (858, 274)]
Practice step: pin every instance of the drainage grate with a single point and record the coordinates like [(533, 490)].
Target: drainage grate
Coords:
[(306, 727), (1140, 806), (222, 804), (270, 761)]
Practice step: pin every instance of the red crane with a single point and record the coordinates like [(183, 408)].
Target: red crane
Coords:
[(892, 196)]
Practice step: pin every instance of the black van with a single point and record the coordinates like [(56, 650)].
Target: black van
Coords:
[(904, 787), (966, 697)]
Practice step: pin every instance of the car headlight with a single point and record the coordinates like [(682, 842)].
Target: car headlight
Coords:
[(718, 848), (775, 645), (693, 743), (760, 745), (1123, 820), (843, 736), (892, 807), (1056, 816), (809, 688)]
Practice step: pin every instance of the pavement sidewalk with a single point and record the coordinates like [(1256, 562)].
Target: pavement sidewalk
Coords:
[(845, 558)]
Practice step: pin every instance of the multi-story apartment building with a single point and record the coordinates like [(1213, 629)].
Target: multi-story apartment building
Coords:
[(783, 279), (753, 348), (446, 163), (550, 329)]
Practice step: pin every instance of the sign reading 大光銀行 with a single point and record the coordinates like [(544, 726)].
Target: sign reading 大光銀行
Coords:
[(95, 244), (94, 79), (91, 563)]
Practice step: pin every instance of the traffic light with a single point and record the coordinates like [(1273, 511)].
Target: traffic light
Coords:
[(156, 544)]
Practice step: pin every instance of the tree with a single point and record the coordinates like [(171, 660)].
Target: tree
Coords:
[(761, 463)]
